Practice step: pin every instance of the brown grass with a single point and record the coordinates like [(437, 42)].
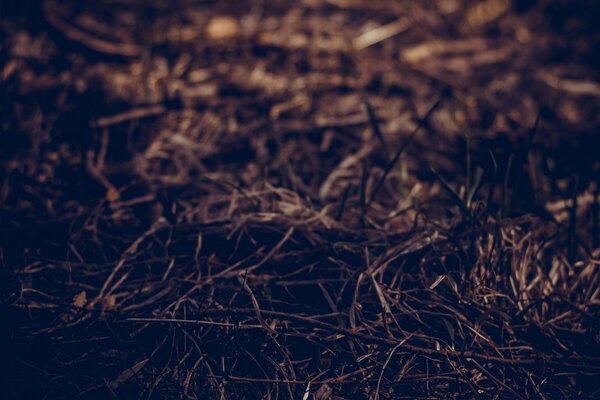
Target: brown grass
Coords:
[(272, 213)]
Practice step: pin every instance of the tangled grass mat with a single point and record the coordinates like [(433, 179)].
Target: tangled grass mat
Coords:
[(319, 199)]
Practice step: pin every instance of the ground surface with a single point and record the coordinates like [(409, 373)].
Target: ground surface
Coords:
[(328, 199)]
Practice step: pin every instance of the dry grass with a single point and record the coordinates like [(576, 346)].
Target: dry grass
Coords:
[(271, 213)]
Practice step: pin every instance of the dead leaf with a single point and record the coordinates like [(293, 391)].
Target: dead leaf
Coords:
[(487, 11), (324, 392), (110, 302), (112, 194), (128, 374), (223, 27), (80, 299)]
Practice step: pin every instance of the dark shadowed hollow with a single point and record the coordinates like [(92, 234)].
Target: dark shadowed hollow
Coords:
[(310, 199)]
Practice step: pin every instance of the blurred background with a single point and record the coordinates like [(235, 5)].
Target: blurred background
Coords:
[(249, 75)]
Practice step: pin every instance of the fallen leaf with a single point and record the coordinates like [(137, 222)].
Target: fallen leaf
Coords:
[(324, 392), (112, 194), (80, 299), (223, 27), (128, 374)]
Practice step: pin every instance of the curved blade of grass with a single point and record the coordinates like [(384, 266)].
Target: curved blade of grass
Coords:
[(374, 121), (453, 195), (475, 186), (390, 165)]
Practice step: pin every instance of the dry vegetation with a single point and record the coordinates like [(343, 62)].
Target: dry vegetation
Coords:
[(318, 199)]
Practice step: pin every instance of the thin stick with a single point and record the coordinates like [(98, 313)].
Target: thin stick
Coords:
[(136, 113)]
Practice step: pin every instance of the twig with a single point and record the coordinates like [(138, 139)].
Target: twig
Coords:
[(136, 113), (405, 143), (496, 380), (380, 34)]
